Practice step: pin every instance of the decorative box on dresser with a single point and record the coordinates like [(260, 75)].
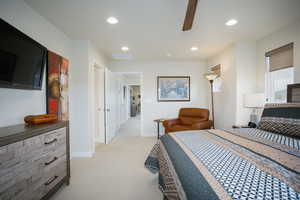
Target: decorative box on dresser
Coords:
[(34, 160)]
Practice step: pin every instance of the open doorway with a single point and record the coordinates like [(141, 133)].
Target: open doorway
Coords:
[(135, 100), (132, 93)]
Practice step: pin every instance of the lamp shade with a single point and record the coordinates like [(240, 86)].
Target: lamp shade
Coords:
[(256, 100), (211, 76)]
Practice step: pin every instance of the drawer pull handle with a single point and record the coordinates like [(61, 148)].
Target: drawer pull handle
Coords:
[(47, 143), (51, 180), (53, 160)]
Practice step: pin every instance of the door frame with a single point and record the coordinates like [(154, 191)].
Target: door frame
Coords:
[(142, 96), (93, 113), (107, 77)]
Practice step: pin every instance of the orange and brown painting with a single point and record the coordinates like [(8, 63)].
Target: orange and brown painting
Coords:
[(57, 88)]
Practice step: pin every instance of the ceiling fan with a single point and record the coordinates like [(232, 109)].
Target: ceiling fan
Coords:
[(190, 15)]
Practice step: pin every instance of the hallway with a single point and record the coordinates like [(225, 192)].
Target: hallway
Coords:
[(132, 127)]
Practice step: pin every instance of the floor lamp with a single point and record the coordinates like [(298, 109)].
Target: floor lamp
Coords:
[(211, 77)]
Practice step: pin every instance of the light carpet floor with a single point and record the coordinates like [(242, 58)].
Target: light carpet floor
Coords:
[(132, 127), (116, 172)]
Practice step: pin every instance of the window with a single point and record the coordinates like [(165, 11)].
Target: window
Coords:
[(280, 73), (217, 85), (276, 84), (217, 82)]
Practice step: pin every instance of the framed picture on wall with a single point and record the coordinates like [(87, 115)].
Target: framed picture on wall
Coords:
[(173, 88)]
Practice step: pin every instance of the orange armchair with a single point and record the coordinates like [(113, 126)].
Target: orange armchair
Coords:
[(189, 119)]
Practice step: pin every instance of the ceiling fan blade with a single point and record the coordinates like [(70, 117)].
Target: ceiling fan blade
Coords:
[(190, 14)]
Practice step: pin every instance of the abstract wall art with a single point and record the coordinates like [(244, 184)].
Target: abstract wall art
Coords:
[(58, 86)]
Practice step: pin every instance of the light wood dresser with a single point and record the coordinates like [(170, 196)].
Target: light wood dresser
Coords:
[(34, 160)]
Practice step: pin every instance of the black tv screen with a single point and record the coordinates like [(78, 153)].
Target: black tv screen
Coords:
[(22, 60)]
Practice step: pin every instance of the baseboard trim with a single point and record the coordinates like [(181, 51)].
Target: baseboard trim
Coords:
[(98, 140), (82, 154)]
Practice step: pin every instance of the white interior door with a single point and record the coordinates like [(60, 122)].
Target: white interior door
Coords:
[(99, 104), (111, 92)]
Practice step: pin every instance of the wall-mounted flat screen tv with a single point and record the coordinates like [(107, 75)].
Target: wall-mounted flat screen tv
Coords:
[(22, 60)]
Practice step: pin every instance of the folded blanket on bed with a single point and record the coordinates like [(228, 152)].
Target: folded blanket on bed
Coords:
[(227, 164)]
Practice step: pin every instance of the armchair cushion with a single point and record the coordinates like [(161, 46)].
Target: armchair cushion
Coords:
[(202, 125), (171, 122), (176, 128), (191, 120)]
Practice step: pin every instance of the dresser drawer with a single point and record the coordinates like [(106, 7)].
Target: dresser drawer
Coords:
[(8, 164), (33, 148), (16, 192), (55, 137), (52, 159), (30, 168), (52, 169), (5, 155), (43, 183), (47, 142), (55, 175), (8, 154)]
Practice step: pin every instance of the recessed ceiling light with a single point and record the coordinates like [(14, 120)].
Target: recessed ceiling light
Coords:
[(231, 22), (169, 55), (112, 20), (194, 49), (125, 48)]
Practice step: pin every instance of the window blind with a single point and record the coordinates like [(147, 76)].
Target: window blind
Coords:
[(281, 58)]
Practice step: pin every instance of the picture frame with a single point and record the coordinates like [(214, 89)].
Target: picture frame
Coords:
[(173, 88)]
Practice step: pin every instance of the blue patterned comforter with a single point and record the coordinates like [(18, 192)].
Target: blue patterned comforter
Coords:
[(227, 164)]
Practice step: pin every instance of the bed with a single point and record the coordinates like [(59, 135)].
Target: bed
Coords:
[(246, 163)]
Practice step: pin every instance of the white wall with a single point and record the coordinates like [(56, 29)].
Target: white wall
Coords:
[(79, 116), (14, 103), (243, 69), (133, 80), (225, 101), (82, 97), (150, 70), (282, 37), (246, 78), (95, 58), (238, 74)]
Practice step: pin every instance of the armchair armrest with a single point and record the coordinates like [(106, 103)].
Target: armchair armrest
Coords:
[(202, 125), (170, 122)]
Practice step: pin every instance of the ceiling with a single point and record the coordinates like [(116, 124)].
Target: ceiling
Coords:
[(153, 28), (132, 76)]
